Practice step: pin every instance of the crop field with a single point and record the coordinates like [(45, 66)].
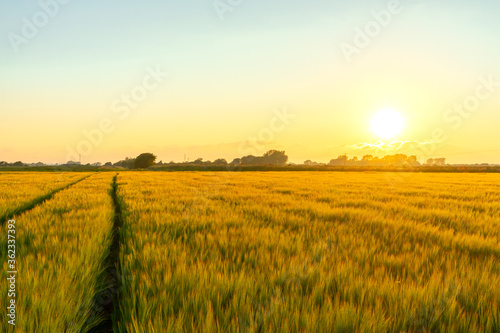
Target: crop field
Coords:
[(19, 190), (256, 252), (61, 247)]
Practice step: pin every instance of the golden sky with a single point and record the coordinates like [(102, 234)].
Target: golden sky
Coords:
[(304, 77)]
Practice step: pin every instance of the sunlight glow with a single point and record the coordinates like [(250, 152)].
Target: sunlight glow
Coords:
[(387, 124)]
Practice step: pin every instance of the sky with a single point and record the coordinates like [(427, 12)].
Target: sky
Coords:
[(103, 80)]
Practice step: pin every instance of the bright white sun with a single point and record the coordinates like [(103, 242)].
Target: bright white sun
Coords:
[(386, 124)]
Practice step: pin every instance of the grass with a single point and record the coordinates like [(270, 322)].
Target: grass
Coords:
[(60, 248), (281, 252)]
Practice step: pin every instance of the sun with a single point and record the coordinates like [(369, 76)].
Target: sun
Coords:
[(387, 124)]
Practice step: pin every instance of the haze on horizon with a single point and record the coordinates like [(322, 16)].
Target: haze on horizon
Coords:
[(305, 77)]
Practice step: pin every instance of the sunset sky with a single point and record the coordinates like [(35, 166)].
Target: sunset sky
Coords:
[(301, 76)]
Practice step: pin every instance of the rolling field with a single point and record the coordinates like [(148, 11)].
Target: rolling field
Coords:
[(262, 252)]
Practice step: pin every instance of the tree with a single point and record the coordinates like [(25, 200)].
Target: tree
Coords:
[(353, 161), (312, 163), (341, 160), (108, 164), (412, 160), (249, 160), (128, 163), (144, 161), (440, 161), (220, 161), (436, 161), (272, 157), (366, 160), (399, 159), (275, 157)]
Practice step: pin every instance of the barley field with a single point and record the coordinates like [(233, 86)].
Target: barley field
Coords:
[(260, 252), (61, 247), (20, 190)]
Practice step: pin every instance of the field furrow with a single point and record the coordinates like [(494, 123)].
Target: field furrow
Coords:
[(23, 190), (61, 247)]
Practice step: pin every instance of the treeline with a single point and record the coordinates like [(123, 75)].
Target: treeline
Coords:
[(324, 167), (272, 157), (271, 160), (15, 164), (389, 160), (146, 160)]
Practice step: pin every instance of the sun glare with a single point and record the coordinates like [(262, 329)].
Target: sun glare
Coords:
[(387, 124)]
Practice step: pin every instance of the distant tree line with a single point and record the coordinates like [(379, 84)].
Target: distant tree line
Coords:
[(146, 160), (15, 164), (436, 161), (389, 160), (279, 158), (272, 158)]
